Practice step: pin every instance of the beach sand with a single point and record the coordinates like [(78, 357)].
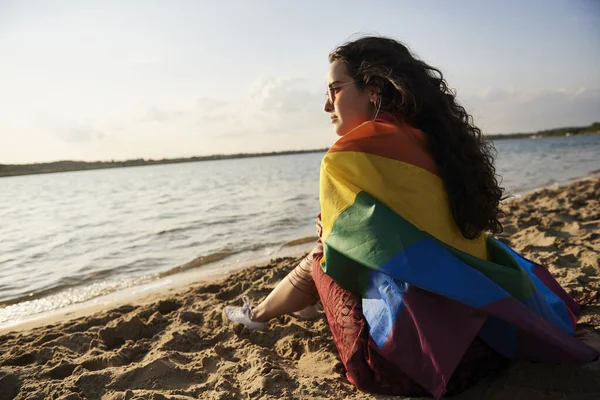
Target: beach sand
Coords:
[(174, 345)]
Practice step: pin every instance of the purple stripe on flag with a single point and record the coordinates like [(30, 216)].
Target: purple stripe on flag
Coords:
[(554, 295), (547, 279), (555, 312), (500, 336), (420, 349), (551, 343)]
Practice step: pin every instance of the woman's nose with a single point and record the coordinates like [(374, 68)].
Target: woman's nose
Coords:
[(328, 106)]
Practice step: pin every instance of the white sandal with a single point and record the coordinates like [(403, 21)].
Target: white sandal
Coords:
[(243, 315)]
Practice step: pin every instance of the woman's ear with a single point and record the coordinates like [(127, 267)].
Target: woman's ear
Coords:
[(375, 95)]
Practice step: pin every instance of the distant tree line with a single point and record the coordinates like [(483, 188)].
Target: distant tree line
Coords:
[(569, 131), (65, 166)]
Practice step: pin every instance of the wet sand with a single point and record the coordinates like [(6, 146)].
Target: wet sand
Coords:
[(174, 345)]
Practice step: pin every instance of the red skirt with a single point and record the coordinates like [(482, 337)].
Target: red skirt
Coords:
[(366, 368)]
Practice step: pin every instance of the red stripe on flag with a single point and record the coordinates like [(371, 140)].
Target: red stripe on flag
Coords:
[(397, 142)]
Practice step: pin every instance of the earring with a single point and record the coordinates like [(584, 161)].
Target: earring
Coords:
[(378, 107)]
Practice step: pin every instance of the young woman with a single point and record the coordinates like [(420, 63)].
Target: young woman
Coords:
[(419, 296)]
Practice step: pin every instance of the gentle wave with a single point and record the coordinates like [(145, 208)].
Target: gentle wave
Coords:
[(65, 298), (197, 262), (70, 283), (284, 222), (71, 290), (176, 230), (203, 224), (304, 240)]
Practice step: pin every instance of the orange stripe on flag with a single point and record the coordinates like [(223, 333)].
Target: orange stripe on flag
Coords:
[(398, 142)]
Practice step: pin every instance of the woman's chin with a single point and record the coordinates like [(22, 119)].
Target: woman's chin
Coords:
[(338, 128), (341, 130)]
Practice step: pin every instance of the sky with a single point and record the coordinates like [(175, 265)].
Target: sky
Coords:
[(103, 80)]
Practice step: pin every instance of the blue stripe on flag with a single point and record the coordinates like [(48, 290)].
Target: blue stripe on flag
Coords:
[(429, 266), (544, 302), (382, 304)]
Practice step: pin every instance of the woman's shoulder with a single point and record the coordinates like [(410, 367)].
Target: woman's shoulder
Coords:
[(397, 141)]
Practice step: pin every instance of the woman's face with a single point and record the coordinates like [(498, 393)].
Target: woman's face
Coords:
[(347, 106)]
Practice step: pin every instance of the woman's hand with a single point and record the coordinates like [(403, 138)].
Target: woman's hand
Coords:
[(319, 226)]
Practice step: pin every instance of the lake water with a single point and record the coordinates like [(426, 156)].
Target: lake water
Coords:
[(69, 237)]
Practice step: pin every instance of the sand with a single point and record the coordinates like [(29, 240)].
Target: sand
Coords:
[(175, 345)]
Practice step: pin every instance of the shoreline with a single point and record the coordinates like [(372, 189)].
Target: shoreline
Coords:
[(169, 283), (56, 167), (156, 283), (172, 343), (558, 184)]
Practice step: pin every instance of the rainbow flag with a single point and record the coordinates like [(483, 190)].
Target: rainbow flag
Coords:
[(427, 292)]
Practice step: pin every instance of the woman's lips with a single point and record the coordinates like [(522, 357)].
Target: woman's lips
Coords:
[(334, 119)]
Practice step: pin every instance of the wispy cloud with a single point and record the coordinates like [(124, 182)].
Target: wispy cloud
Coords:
[(270, 105), (69, 130), (209, 104), (77, 133), (135, 61), (510, 110), (162, 115), (282, 95)]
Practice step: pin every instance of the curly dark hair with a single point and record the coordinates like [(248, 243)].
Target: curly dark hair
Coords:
[(418, 93)]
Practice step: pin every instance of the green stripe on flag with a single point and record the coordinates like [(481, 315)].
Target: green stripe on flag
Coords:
[(371, 233), (502, 268), (347, 273), (368, 234)]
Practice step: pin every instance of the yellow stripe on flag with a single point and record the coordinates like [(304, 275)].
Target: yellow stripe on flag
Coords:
[(412, 192)]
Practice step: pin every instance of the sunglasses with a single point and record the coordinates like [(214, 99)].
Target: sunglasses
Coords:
[(331, 90)]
